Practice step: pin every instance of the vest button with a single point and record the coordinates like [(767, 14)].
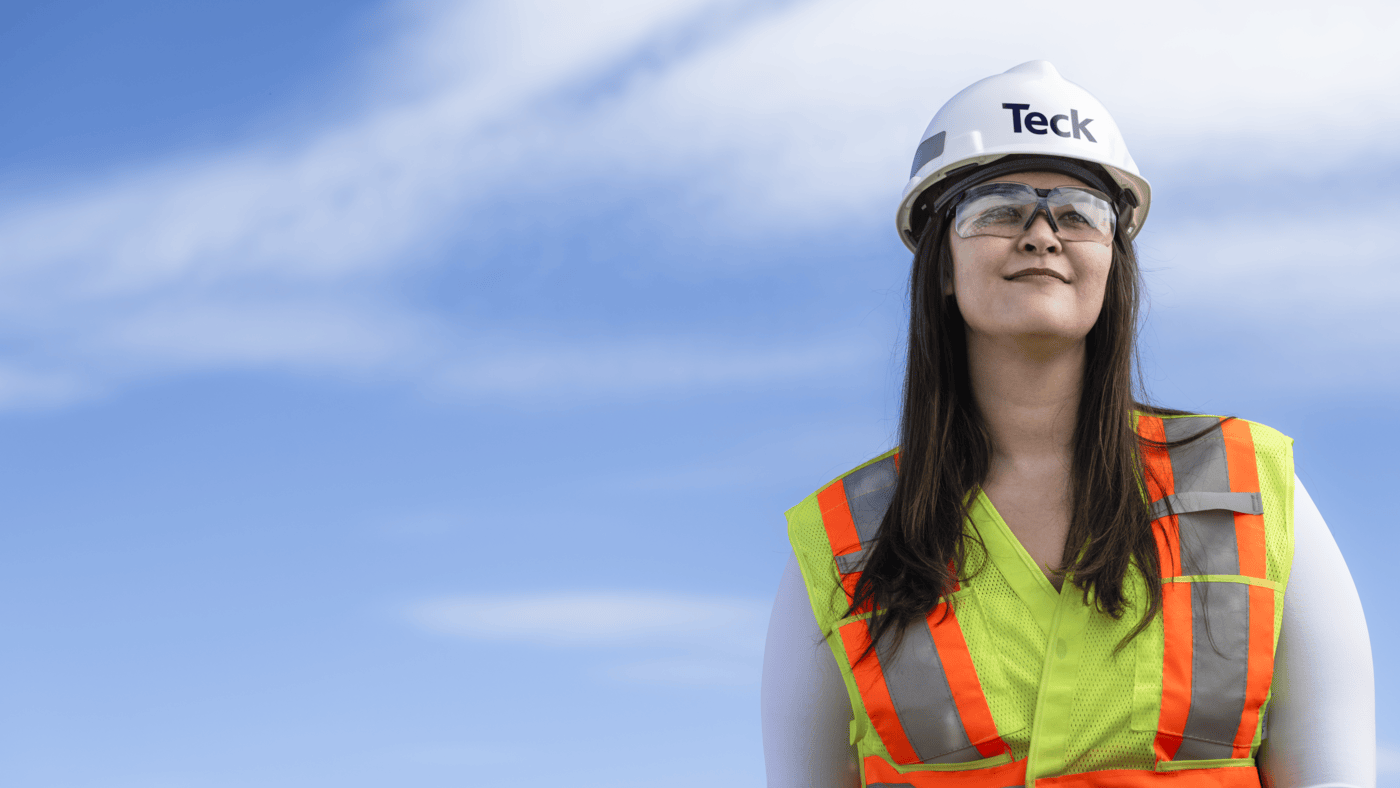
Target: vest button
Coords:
[(1061, 648)]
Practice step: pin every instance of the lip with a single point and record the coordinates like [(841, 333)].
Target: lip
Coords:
[(1038, 272)]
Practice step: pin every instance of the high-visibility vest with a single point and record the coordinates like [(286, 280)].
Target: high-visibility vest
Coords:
[(1009, 682)]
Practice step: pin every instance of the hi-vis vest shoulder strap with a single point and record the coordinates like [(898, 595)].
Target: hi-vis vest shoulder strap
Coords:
[(1209, 522), (924, 715)]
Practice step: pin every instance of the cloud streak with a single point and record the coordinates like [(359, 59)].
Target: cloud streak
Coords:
[(655, 638), (596, 619), (293, 251)]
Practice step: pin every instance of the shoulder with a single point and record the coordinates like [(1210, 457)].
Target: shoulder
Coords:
[(829, 528), (1177, 426), (889, 458), (1250, 450), (872, 476)]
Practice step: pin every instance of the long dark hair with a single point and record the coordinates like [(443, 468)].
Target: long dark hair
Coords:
[(945, 455)]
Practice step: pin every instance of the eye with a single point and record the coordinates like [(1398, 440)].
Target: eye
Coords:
[(1073, 218), (998, 214)]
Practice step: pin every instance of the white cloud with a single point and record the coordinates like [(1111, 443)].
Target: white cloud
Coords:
[(710, 672), (1333, 259), (598, 619), (814, 112), (1387, 760), (287, 251), (222, 333), (811, 454), (26, 388), (614, 368), (1321, 287)]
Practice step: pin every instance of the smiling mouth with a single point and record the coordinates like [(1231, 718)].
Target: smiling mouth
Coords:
[(1037, 272)]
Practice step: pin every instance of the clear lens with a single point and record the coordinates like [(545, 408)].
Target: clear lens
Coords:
[(1006, 210)]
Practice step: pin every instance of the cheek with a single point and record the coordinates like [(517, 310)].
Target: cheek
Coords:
[(1094, 274), (1098, 267), (970, 255)]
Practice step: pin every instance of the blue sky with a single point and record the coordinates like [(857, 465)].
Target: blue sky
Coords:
[(409, 394)]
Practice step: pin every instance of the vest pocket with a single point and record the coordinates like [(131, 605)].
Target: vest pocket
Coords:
[(997, 771), (965, 766)]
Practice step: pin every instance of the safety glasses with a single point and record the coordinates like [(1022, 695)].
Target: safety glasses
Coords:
[(1006, 210)]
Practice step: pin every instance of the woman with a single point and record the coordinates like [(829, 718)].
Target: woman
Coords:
[(1071, 588)]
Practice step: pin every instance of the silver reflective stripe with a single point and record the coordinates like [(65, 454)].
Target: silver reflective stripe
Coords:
[(1242, 502), (851, 562), (868, 492), (890, 785), (1219, 669), (1198, 466), (1208, 543), (922, 698), (1207, 537)]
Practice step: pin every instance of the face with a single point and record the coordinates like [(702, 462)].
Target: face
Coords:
[(1032, 286)]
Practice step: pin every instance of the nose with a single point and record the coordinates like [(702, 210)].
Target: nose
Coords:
[(1039, 238)]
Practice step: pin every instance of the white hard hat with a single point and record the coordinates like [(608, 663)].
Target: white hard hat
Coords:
[(1029, 110)]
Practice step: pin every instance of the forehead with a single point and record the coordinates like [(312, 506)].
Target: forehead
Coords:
[(1041, 180)]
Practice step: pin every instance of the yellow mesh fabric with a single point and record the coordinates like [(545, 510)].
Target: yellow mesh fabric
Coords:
[(1101, 734), (1274, 452), (813, 551), (1007, 647)]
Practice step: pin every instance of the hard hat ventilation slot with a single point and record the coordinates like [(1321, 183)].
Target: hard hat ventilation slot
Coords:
[(929, 150)]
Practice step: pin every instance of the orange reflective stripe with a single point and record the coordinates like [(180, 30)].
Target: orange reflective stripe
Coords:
[(1244, 477), (1168, 537), (1261, 666), (1155, 459), (1176, 669), (1249, 534), (848, 582), (1223, 777), (962, 680), (870, 680), (880, 773), (1157, 467), (836, 518)]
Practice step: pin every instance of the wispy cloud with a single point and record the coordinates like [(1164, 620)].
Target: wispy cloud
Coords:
[(710, 672), (1387, 761), (292, 250), (646, 367), (658, 638), (1321, 284), (596, 619), (811, 454)]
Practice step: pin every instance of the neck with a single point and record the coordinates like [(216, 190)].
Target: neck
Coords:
[(1027, 390)]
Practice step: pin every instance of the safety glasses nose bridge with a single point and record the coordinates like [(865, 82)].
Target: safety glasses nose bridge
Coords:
[(1042, 204)]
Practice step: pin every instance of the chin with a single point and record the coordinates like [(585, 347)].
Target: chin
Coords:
[(1042, 326)]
